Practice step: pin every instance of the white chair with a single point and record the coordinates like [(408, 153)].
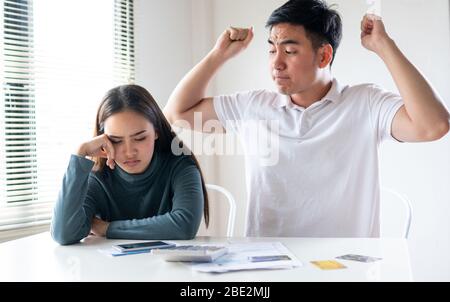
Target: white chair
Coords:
[(388, 195), (231, 206)]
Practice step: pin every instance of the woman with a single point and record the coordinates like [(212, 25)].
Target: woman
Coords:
[(135, 187)]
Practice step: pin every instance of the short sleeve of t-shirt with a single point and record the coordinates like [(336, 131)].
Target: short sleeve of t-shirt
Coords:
[(232, 109), (384, 105)]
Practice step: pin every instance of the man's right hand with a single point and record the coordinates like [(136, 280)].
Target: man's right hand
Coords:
[(189, 96), (232, 42)]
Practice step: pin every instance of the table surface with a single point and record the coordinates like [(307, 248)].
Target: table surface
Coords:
[(39, 258)]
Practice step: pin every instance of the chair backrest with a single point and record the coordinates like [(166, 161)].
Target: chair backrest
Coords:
[(231, 206), (388, 196)]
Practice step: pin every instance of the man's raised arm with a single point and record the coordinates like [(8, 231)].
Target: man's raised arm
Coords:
[(189, 95), (423, 116)]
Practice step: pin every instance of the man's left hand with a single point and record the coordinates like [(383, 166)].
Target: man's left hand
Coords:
[(373, 33)]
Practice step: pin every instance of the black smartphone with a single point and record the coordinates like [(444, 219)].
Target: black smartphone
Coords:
[(138, 246)]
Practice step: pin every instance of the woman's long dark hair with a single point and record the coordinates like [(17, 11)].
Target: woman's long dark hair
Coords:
[(139, 100)]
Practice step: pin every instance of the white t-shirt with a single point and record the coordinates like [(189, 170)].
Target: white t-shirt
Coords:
[(312, 172)]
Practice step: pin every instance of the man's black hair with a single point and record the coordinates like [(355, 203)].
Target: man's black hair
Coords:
[(322, 24)]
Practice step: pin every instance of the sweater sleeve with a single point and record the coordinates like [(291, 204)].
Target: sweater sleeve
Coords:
[(181, 223), (74, 208)]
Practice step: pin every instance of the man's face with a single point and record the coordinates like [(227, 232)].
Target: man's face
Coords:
[(294, 65)]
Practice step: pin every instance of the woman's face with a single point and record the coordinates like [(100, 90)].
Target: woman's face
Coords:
[(133, 138)]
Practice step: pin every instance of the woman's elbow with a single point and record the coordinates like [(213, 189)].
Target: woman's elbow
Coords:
[(62, 237), (189, 230), (191, 235), (187, 233)]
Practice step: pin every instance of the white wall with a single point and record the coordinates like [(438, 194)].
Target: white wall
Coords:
[(163, 44), (172, 36)]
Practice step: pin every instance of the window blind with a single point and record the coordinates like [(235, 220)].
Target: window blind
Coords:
[(124, 60), (58, 60)]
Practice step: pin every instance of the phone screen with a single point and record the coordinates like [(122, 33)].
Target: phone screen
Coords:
[(144, 245)]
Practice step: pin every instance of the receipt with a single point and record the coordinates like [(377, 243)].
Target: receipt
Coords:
[(374, 8)]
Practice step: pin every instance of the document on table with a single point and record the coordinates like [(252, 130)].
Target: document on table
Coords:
[(253, 255)]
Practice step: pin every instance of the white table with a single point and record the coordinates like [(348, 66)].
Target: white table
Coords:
[(39, 258)]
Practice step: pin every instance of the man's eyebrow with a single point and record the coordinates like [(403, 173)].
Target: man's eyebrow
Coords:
[(133, 135), (284, 42)]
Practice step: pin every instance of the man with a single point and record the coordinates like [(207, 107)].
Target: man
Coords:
[(325, 182)]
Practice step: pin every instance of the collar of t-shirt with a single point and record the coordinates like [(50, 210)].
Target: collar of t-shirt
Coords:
[(333, 95)]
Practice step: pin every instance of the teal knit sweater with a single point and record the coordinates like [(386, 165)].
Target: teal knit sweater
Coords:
[(165, 202)]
